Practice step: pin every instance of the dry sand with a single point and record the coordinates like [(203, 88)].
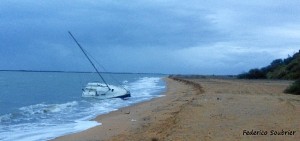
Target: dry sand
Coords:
[(221, 110)]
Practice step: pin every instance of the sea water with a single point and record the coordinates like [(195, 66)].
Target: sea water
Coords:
[(37, 106)]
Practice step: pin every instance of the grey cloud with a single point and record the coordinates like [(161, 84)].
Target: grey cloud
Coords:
[(144, 34)]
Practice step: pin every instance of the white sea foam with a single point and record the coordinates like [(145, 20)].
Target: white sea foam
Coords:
[(145, 87), (36, 132), (47, 121), (5, 117), (47, 108)]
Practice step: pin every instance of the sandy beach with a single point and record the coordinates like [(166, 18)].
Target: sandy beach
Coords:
[(204, 109)]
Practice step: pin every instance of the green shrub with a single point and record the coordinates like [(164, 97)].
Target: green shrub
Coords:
[(288, 68), (253, 74), (294, 88)]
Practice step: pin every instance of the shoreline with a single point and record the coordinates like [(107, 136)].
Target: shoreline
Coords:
[(105, 118), (222, 111)]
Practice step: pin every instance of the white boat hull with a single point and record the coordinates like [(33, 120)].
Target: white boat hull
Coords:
[(100, 91)]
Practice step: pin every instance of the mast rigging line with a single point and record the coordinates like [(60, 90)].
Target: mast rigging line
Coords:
[(89, 60), (105, 70)]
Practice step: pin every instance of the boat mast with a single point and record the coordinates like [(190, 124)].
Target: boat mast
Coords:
[(89, 60)]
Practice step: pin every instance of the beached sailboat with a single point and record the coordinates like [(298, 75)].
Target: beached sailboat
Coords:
[(101, 90)]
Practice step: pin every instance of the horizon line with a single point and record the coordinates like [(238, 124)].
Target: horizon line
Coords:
[(82, 72)]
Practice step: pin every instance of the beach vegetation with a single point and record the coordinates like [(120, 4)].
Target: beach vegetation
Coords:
[(294, 88), (287, 69), (253, 74)]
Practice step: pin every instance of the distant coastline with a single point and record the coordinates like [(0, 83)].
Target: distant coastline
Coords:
[(78, 72)]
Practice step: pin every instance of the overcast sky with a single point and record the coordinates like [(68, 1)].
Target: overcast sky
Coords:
[(166, 36)]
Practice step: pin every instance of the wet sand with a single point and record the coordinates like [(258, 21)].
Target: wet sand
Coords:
[(204, 109)]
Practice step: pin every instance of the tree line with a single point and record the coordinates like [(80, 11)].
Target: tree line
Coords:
[(288, 69)]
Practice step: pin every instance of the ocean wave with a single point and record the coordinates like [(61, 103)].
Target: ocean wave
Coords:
[(47, 108), (35, 112), (145, 86), (5, 118), (43, 131), (45, 121)]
